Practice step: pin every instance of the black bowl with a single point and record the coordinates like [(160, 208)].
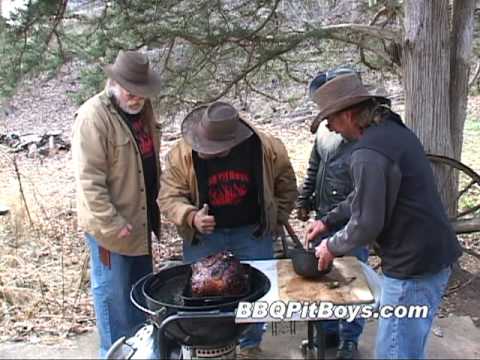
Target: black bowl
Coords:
[(305, 263)]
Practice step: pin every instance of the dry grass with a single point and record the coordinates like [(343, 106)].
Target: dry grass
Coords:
[(43, 268)]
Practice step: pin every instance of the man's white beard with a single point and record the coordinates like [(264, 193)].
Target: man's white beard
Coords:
[(126, 107), (132, 111), (327, 138)]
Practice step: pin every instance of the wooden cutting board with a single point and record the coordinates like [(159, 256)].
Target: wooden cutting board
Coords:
[(345, 284)]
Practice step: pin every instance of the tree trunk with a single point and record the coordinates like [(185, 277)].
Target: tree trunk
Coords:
[(435, 65), (461, 52)]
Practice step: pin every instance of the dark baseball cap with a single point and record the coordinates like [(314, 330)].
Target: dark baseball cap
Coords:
[(324, 76)]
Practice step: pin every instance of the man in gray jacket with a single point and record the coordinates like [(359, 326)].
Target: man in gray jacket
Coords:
[(326, 184), (395, 203)]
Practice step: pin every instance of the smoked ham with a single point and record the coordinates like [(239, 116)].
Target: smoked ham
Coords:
[(220, 274)]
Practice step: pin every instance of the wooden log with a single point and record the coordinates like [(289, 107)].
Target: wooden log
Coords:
[(466, 226)]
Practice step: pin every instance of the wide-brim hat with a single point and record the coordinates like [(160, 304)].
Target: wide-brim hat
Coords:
[(214, 128), (132, 71), (341, 93)]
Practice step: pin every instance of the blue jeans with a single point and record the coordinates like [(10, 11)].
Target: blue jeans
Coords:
[(241, 242), (348, 331), (402, 338), (115, 314)]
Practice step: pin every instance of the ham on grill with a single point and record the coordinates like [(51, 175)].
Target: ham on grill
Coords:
[(220, 274)]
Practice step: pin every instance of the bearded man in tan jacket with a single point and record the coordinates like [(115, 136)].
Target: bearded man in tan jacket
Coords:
[(115, 149), (229, 186)]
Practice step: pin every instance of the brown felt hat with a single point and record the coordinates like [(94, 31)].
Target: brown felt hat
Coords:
[(132, 71), (214, 128), (338, 94)]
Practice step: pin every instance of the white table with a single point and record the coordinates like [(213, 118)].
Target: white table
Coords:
[(273, 297)]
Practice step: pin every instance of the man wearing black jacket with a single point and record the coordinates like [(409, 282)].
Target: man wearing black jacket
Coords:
[(395, 203)]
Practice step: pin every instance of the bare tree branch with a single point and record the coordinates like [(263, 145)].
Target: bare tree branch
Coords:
[(364, 60), (373, 31), (267, 20), (57, 20), (380, 12), (260, 63), (476, 75), (259, 92), (169, 54), (288, 72)]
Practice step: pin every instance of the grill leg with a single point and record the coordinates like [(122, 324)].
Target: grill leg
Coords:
[(162, 343), (310, 331), (274, 329), (315, 341), (320, 340)]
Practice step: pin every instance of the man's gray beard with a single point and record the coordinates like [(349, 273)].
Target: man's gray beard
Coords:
[(115, 93), (127, 109)]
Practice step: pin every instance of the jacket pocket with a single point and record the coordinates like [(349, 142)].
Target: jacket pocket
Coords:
[(336, 191), (122, 148), (338, 183)]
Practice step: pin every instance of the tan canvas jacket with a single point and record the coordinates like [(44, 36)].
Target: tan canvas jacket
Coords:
[(109, 175), (178, 196)]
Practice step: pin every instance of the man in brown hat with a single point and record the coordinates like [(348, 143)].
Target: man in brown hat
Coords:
[(327, 183), (395, 204), (229, 186), (115, 149)]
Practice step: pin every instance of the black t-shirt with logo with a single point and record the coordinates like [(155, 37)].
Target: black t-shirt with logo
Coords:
[(232, 186), (146, 147)]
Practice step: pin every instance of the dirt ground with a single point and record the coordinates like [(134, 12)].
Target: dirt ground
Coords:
[(464, 291)]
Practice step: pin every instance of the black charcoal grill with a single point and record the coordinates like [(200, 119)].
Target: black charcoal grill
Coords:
[(201, 328)]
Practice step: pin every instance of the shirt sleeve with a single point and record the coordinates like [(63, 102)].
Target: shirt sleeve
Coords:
[(339, 215), (308, 186), (376, 183)]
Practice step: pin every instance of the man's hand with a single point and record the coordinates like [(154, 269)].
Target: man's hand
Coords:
[(125, 231), (315, 229), (303, 214), (325, 257), (204, 223)]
